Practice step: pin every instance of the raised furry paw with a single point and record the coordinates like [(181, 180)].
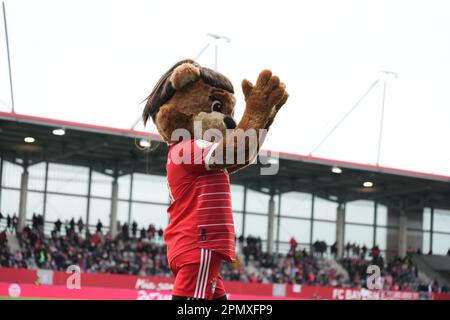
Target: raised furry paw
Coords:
[(266, 96)]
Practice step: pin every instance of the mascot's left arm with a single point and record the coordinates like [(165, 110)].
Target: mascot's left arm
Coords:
[(263, 101)]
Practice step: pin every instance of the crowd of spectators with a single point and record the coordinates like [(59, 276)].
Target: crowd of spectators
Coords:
[(97, 252), (142, 252), (298, 266), (395, 274), (10, 222)]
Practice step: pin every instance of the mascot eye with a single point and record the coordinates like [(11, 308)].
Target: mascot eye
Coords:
[(217, 106)]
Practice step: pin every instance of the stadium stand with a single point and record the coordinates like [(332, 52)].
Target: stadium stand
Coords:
[(436, 266), (98, 170), (143, 254)]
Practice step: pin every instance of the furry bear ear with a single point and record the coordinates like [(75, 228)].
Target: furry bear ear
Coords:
[(184, 74)]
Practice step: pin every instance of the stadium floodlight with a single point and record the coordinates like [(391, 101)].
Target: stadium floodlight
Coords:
[(144, 143), (59, 132), (336, 170), (29, 139), (385, 74), (218, 37), (265, 190), (368, 184)]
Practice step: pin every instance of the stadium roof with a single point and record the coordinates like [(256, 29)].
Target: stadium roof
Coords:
[(110, 150)]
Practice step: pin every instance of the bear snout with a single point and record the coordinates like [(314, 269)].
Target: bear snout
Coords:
[(229, 122)]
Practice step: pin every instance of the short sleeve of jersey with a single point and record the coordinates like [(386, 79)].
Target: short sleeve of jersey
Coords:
[(193, 155)]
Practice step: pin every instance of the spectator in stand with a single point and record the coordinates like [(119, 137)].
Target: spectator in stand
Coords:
[(304, 253), (363, 252), (323, 248), (311, 278), (58, 225), (15, 222), (9, 223), (107, 238), (410, 251), (259, 244), (241, 243), (37, 221), (293, 244), (3, 239), (160, 233), (1, 218), (356, 250), (72, 224), (435, 287), (125, 231), (95, 238), (143, 233), (99, 226), (151, 231), (320, 247), (41, 222), (134, 228), (67, 226), (118, 227), (348, 247), (315, 248), (33, 221), (375, 252), (80, 225), (333, 249)]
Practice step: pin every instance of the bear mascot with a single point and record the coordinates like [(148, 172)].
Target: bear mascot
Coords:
[(193, 110)]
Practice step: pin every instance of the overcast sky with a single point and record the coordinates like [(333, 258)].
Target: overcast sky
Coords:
[(95, 61)]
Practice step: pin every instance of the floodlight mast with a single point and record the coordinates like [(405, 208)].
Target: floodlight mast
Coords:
[(9, 58), (386, 75), (380, 135), (216, 38)]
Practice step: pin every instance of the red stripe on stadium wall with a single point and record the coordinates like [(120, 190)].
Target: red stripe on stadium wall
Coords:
[(105, 280), (77, 125), (101, 280), (163, 285), (361, 166), (18, 275)]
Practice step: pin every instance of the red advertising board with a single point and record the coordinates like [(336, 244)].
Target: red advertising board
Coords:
[(17, 291), (34, 283)]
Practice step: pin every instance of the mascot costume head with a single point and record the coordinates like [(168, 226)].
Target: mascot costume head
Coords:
[(189, 93)]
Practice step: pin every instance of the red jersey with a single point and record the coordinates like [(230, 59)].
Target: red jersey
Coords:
[(200, 214)]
